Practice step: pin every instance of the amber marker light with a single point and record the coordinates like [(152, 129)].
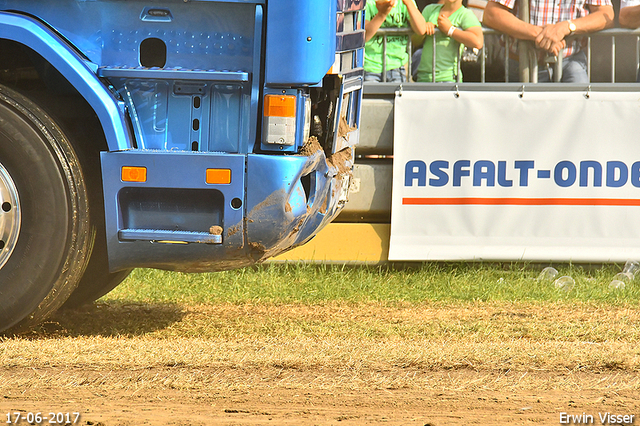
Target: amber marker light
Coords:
[(218, 176), (134, 174), (279, 106)]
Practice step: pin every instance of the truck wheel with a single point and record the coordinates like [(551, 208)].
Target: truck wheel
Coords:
[(44, 214), (97, 280)]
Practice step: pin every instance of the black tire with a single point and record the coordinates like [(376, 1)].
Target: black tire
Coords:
[(80, 123), (42, 264), (97, 280)]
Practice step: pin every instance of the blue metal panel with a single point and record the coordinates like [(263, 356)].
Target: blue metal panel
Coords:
[(74, 68), (301, 41), (189, 115), (213, 53), (78, 21), (174, 205), (229, 104), (199, 34), (208, 43), (256, 84)]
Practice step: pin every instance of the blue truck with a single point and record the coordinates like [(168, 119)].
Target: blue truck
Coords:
[(187, 135)]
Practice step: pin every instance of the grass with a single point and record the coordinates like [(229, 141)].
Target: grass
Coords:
[(313, 284), (478, 345), (301, 326)]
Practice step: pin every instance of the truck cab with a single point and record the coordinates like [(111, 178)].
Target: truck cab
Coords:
[(191, 136)]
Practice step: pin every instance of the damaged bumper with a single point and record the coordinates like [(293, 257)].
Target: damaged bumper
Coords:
[(180, 221), (281, 217)]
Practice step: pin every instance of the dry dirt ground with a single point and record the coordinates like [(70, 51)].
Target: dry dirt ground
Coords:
[(273, 405), (292, 365)]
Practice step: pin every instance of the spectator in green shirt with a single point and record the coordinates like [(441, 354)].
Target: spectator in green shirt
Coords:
[(457, 26), (389, 14)]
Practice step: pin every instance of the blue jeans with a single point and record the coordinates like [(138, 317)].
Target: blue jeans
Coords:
[(398, 75), (574, 70)]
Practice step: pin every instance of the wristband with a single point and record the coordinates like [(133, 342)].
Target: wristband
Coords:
[(451, 30)]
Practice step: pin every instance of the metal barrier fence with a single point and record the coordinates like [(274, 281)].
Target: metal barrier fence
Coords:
[(613, 34)]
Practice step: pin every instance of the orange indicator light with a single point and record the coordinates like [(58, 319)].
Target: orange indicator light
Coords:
[(279, 106), (134, 174), (218, 176)]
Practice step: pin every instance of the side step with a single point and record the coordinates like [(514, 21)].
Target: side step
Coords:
[(175, 237)]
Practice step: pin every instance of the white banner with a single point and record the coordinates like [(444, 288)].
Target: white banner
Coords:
[(538, 176)]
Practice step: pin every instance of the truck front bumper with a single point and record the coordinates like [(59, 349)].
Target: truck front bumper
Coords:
[(176, 220)]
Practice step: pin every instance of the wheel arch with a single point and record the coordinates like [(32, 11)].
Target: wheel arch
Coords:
[(34, 35)]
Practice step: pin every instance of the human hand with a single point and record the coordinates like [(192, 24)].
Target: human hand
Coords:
[(444, 24), (431, 29), (385, 6), (556, 48), (551, 38)]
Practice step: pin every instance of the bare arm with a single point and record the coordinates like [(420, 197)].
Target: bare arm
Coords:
[(500, 18), (418, 39), (371, 27), (471, 37), (416, 20), (630, 17), (599, 18)]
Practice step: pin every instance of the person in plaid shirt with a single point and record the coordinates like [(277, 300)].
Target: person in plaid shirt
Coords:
[(551, 22), (630, 17)]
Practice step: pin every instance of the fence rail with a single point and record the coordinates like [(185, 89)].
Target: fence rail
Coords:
[(613, 34)]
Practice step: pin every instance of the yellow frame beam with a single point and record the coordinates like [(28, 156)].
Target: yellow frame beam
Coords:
[(356, 243)]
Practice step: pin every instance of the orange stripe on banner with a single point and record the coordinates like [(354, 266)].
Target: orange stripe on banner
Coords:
[(521, 201)]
